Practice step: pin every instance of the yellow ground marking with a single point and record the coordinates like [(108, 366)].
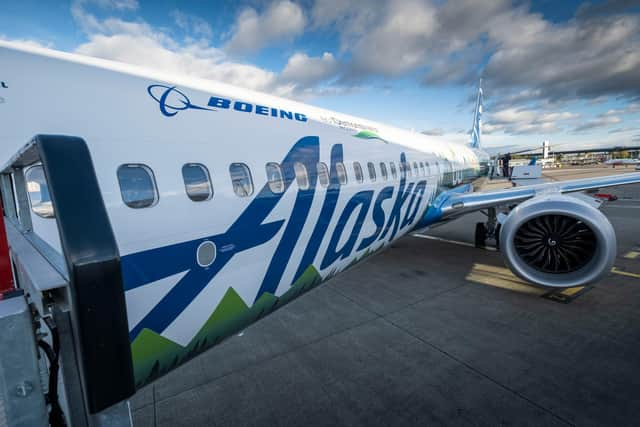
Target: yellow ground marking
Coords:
[(500, 277), (571, 291), (625, 273), (632, 255)]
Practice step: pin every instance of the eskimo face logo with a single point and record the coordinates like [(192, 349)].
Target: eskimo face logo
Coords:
[(171, 100)]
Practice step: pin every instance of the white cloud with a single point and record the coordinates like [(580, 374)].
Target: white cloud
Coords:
[(598, 122), (139, 43), (27, 42), (398, 41), (624, 130), (194, 59), (87, 21), (435, 132), (633, 107), (124, 5), (192, 24), (308, 71), (613, 112), (595, 54), (526, 121), (280, 21)]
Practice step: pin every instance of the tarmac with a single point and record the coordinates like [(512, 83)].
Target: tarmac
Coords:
[(430, 332)]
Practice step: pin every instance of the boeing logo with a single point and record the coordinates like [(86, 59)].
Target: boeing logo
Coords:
[(172, 101)]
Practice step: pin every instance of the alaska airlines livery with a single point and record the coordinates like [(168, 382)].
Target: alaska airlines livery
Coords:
[(224, 204)]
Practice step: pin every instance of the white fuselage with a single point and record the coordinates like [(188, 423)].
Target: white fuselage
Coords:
[(128, 115)]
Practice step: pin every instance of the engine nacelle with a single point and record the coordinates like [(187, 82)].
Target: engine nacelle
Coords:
[(558, 241)]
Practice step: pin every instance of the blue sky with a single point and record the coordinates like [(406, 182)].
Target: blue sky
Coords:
[(565, 71)]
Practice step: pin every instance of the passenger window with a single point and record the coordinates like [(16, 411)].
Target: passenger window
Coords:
[(197, 182), (383, 171), (137, 186), (323, 174), (342, 173), (372, 171), (39, 192), (422, 169), (357, 169), (274, 178), (302, 178), (407, 168), (241, 179), (394, 173), (415, 169), (428, 169)]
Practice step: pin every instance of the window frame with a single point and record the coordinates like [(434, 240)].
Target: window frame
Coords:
[(207, 175), (394, 171), (325, 172), (383, 171), (269, 181), (150, 174), (49, 214), (358, 172), (296, 166), (248, 173), (372, 171), (344, 179)]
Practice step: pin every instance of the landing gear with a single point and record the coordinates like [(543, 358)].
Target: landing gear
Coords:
[(488, 230), (481, 235)]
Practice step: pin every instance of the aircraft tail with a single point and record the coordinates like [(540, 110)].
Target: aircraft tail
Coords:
[(476, 129)]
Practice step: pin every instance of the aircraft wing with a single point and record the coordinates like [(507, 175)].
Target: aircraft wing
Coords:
[(450, 204)]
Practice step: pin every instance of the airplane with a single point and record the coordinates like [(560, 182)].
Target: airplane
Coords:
[(622, 162), (182, 210)]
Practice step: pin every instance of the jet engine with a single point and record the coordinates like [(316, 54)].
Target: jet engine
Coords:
[(558, 241)]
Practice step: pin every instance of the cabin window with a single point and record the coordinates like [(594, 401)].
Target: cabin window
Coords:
[(342, 173), (372, 171), (415, 169), (302, 178), (241, 179), (137, 186), (39, 192), (407, 168), (197, 182), (383, 171), (274, 178), (392, 167), (323, 174), (357, 169), (428, 169)]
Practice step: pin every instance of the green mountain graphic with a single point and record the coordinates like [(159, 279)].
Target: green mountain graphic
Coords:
[(367, 134), (154, 355)]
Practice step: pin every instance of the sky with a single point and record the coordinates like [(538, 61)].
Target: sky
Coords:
[(566, 71)]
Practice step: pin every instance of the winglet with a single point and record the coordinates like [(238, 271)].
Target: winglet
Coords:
[(476, 129)]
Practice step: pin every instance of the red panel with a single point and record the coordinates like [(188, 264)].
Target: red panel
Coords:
[(6, 275)]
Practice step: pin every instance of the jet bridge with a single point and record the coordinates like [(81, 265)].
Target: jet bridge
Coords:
[(65, 352)]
